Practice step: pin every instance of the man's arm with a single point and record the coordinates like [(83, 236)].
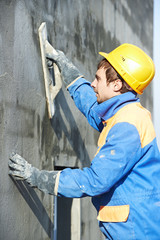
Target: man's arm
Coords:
[(110, 165), (79, 89), (115, 160), (85, 100)]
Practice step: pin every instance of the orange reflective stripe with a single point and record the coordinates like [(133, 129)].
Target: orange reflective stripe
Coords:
[(140, 117), (104, 133), (113, 213), (136, 115)]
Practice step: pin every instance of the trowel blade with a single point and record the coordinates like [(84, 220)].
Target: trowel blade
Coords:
[(50, 89)]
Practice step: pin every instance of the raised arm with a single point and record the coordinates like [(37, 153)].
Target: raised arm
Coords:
[(79, 89)]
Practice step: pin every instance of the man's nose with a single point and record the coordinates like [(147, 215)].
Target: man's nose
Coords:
[(93, 84)]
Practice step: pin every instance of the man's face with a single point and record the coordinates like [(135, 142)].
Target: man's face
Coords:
[(101, 87)]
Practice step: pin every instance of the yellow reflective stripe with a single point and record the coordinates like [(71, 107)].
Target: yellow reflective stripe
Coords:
[(113, 213)]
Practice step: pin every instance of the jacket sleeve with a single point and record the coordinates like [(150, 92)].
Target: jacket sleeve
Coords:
[(85, 100), (119, 154)]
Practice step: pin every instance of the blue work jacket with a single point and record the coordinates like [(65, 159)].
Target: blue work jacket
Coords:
[(124, 177)]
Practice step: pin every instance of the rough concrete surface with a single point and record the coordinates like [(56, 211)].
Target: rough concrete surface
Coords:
[(80, 28)]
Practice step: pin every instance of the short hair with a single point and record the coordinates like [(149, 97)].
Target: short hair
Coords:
[(112, 75)]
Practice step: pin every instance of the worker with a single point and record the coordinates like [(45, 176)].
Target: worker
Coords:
[(124, 176)]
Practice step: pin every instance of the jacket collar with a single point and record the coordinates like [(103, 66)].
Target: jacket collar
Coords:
[(108, 108)]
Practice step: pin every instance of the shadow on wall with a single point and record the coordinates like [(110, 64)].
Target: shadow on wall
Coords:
[(36, 206), (72, 134)]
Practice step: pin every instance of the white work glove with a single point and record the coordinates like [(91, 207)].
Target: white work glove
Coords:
[(68, 71), (20, 169)]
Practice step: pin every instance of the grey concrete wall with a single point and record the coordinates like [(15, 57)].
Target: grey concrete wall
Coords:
[(81, 29)]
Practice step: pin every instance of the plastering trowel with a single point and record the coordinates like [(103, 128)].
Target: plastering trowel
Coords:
[(52, 77)]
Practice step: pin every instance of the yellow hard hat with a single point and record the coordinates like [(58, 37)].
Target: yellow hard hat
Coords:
[(133, 65)]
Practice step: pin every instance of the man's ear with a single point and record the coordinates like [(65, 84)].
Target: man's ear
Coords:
[(117, 85)]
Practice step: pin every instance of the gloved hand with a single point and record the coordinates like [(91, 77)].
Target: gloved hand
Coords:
[(68, 71), (20, 169)]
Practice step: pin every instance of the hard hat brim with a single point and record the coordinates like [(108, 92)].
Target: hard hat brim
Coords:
[(103, 54)]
